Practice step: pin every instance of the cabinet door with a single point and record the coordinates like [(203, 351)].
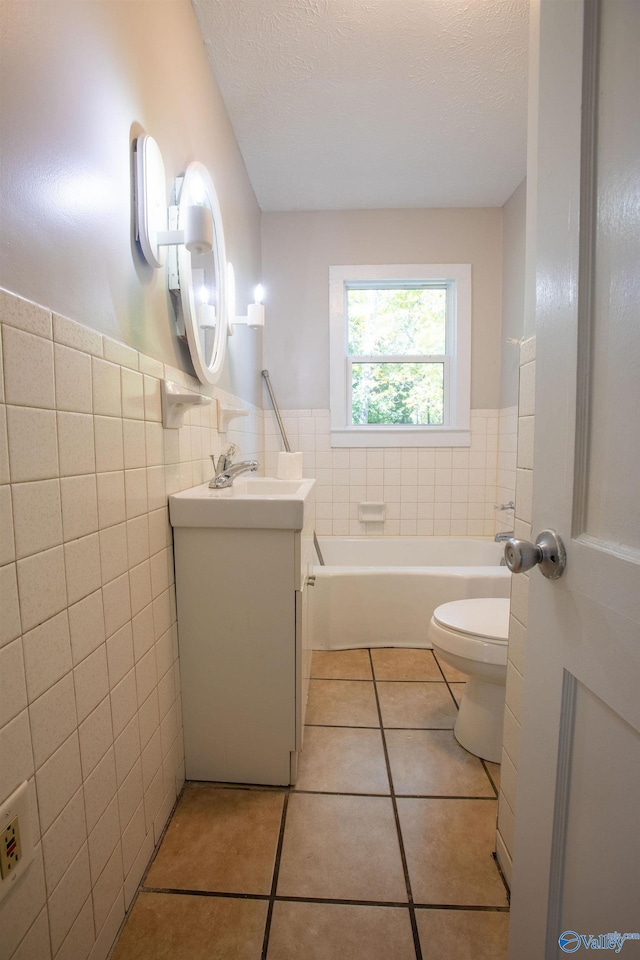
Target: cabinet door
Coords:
[(303, 659)]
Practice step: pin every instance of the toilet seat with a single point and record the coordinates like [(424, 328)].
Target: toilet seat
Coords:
[(487, 618)]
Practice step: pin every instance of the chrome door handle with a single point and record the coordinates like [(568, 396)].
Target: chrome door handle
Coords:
[(548, 551)]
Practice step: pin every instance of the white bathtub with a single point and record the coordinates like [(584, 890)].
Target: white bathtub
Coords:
[(382, 591)]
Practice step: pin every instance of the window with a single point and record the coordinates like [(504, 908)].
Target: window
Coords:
[(400, 355)]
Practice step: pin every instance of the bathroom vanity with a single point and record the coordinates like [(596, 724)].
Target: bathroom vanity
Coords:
[(243, 560)]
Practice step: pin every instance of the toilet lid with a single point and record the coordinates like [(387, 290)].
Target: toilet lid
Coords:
[(485, 617)]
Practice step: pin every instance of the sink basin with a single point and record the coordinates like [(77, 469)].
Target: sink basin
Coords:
[(258, 502)]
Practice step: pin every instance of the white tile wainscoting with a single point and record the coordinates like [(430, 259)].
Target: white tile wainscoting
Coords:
[(441, 491), (519, 611), (90, 711)]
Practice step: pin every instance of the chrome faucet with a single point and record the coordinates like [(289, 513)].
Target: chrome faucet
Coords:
[(503, 536), (226, 471)]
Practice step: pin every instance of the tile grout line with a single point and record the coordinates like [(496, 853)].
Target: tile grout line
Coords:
[(276, 872), (403, 855), (279, 898)]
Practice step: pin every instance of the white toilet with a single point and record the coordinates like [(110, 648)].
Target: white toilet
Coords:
[(472, 635)]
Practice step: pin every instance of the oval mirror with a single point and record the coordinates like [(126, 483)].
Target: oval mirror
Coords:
[(202, 278)]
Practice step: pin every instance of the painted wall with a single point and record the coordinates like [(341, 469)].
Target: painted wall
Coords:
[(298, 249), (513, 269), (80, 81)]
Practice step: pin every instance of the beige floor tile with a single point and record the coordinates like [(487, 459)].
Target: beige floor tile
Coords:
[(176, 927), (342, 703), (432, 762), (457, 689), (450, 672), (403, 664), (321, 931), (463, 934), (343, 848), (449, 845), (220, 840), (341, 665), (416, 705), (494, 772), (342, 760)]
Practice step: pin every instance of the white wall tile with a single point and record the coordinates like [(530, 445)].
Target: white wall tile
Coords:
[(134, 442), (107, 394), (66, 901), (108, 889), (76, 335), (24, 314), (82, 567), (72, 370), (130, 793), (86, 626), (109, 444), (28, 369), (19, 911), (119, 353), (4, 446), (127, 750), (37, 516), (114, 560), (103, 839), (57, 781), (140, 586), (13, 690), (79, 506), (35, 945), (91, 682), (53, 719), (111, 498), (63, 840), (124, 703), (47, 654), (76, 444), (96, 737), (7, 539), (79, 941), (138, 536), (41, 587), (135, 482), (117, 604), (132, 395), (152, 402), (33, 444), (99, 788)]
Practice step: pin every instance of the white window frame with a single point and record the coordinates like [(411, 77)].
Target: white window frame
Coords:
[(455, 431)]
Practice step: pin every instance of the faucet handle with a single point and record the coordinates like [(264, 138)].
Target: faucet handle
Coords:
[(231, 451)]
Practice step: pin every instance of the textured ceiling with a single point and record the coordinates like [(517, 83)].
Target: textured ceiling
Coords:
[(345, 104)]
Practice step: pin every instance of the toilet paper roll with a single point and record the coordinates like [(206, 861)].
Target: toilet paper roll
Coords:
[(289, 466)]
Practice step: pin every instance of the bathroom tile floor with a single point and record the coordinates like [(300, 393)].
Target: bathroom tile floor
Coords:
[(382, 849)]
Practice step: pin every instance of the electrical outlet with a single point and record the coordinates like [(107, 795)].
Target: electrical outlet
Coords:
[(16, 845), (10, 848)]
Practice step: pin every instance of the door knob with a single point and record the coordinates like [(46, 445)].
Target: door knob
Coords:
[(548, 551)]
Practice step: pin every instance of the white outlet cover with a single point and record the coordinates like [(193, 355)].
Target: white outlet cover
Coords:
[(17, 805)]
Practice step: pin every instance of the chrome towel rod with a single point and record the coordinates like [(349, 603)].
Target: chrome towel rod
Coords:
[(285, 443)]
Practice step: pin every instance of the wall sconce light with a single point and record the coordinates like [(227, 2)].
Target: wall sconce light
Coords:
[(255, 311), (154, 217)]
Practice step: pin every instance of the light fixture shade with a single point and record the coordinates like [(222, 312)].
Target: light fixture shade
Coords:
[(198, 229), (151, 199)]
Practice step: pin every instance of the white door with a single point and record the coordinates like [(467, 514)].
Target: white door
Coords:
[(577, 835)]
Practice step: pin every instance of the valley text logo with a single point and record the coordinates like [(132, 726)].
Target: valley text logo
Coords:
[(570, 941)]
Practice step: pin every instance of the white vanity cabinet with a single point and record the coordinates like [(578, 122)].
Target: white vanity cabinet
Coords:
[(244, 646)]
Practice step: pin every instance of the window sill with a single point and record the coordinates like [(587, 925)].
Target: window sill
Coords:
[(400, 437)]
